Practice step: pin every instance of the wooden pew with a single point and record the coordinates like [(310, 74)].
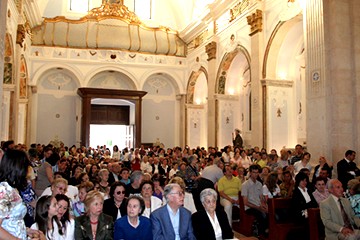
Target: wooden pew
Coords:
[(245, 225), (280, 220), (316, 226)]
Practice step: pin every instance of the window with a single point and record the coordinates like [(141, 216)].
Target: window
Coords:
[(81, 6), (142, 8)]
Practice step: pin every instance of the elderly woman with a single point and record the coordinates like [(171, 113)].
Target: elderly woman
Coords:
[(115, 206), (94, 224), (151, 202), (133, 226), (211, 223)]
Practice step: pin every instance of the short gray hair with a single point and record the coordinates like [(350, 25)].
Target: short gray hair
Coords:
[(168, 188), (135, 175), (207, 192)]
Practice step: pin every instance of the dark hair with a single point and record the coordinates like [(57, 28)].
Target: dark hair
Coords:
[(114, 186), (5, 145), (41, 215), (349, 152), (299, 177), (147, 182), (318, 179), (271, 181), (306, 153), (124, 169), (254, 167), (66, 217), (53, 159), (14, 167), (141, 201), (79, 179)]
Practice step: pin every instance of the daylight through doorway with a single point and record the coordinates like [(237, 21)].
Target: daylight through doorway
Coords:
[(110, 135)]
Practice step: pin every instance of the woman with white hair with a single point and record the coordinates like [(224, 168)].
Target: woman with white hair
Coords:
[(211, 223)]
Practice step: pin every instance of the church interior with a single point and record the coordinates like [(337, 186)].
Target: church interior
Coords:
[(187, 72)]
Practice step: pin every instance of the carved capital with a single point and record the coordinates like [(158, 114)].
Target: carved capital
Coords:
[(255, 22), (211, 50)]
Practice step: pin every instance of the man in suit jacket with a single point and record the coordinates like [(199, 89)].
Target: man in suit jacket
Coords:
[(172, 221), (347, 168), (114, 170), (331, 216), (237, 141)]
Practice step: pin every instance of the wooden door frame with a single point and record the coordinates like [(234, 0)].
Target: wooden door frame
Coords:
[(89, 93)]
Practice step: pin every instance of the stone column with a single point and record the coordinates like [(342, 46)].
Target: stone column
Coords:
[(258, 126), (212, 127), (332, 43), (3, 16), (181, 102)]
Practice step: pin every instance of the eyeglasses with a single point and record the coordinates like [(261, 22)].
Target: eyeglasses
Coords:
[(178, 193), (120, 192)]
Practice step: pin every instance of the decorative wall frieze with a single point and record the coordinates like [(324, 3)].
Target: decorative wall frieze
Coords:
[(255, 22), (277, 83), (238, 9)]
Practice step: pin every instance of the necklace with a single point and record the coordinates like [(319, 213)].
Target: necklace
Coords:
[(96, 222)]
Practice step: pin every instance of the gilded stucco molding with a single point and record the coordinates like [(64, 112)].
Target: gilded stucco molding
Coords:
[(238, 9), (255, 22), (211, 50), (111, 19)]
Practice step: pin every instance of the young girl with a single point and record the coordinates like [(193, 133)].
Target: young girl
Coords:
[(67, 223), (46, 219), (79, 206)]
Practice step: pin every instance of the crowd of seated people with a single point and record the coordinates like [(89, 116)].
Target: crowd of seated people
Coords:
[(84, 192)]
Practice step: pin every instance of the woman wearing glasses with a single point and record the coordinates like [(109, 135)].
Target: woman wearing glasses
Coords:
[(115, 206), (211, 223)]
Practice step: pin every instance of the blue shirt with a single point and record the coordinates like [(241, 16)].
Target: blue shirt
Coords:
[(175, 221)]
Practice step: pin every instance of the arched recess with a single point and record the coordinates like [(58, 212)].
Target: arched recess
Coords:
[(284, 85), (233, 101), (160, 110), (7, 130), (196, 110), (55, 107), (111, 79)]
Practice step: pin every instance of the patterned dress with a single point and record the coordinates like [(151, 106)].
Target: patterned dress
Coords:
[(12, 211)]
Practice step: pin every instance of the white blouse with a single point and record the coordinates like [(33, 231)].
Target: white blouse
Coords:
[(54, 234), (216, 226)]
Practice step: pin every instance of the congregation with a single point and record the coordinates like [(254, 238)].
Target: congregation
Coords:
[(60, 192)]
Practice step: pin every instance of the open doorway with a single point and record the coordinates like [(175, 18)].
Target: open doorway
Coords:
[(120, 135)]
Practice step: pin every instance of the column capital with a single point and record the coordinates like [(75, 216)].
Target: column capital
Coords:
[(211, 50), (255, 22)]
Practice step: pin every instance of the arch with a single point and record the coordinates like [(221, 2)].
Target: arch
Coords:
[(225, 66), (175, 80), (73, 72), (273, 47), (111, 80), (90, 75), (190, 89)]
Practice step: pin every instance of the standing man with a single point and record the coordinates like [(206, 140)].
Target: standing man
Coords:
[(172, 221), (346, 168), (337, 215), (237, 139)]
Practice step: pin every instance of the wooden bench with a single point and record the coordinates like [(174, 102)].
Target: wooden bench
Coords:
[(244, 226), (281, 221), (316, 226)]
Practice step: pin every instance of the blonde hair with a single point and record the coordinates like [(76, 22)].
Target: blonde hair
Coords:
[(179, 181), (91, 197), (102, 171), (59, 180)]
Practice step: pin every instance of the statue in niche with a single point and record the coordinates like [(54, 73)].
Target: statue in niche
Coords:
[(222, 81), (7, 73)]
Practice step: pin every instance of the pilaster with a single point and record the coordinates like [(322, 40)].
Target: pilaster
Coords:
[(212, 127), (332, 88), (258, 116), (3, 16), (181, 101)]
